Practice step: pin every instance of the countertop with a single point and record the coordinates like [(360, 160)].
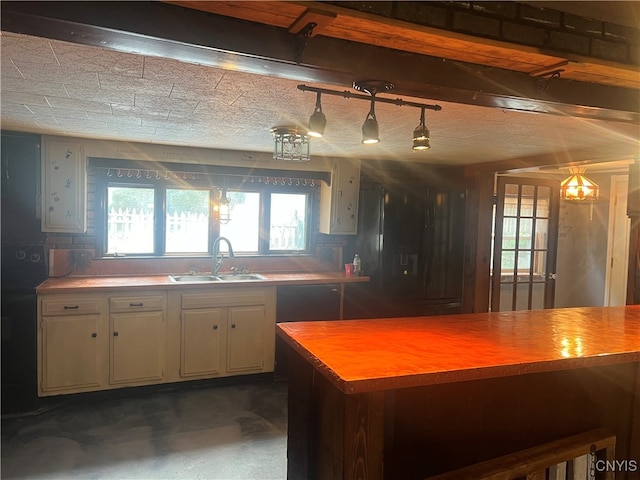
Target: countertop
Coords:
[(380, 354), (141, 282)]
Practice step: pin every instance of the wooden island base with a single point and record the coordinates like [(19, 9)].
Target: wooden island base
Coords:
[(350, 419)]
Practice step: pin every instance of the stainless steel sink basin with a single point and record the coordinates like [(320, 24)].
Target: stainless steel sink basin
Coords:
[(241, 277), (194, 278)]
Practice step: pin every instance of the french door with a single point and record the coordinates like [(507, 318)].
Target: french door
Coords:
[(525, 244)]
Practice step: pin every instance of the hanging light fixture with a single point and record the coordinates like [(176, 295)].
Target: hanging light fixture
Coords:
[(223, 207), (421, 134), (318, 121), (578, 187), (370, 128), (370, 131), (291, 144)]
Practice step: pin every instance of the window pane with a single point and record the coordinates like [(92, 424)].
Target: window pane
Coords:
[(288, 229), (130, 226), (187, 221), (243, 230)]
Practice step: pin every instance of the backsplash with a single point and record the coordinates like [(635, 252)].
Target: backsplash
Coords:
[(81, 262)]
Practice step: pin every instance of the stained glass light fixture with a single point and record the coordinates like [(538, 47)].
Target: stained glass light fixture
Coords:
[(578, 187)]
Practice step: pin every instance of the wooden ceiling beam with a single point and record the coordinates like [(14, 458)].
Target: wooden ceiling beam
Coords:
[(161, 29)]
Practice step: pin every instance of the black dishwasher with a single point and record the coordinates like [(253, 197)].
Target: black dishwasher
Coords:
[(301, 303)]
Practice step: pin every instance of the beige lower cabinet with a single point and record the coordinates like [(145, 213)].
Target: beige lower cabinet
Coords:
[(102, 341), (246, 338), (226, 331), (202, 342), (71, 344)]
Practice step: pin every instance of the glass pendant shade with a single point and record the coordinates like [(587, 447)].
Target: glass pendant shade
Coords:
[(421, 138), (578, 187), (224, 207), (370, 132), (421, 135), (317, 122)]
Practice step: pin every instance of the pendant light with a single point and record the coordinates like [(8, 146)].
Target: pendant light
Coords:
[(578, 187), (421, 134), (370, 131), (318, 121), (223, 207)]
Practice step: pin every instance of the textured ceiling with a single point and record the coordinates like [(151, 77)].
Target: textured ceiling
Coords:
[(58, 88)]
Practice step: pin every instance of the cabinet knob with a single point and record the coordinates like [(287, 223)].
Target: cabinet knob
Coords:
[(115, 334), (215, 327), (233, 325), (94, 335)]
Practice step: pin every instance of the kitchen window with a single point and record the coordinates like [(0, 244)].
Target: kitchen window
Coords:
[(175, 215)]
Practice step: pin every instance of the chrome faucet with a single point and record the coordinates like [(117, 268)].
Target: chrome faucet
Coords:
[(217, 262)]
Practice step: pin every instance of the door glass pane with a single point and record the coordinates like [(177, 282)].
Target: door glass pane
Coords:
[(130, 220), (243, 230), (509, 226), (288, 221), (542, 227), (524, 239), (524, 263), (542, 205), (506, 296), (508, 260), (526, 209), (187, 221), (537, 296), (540, 265)]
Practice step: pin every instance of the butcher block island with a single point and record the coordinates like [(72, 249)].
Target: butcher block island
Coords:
[(100, 333), (407, 398)]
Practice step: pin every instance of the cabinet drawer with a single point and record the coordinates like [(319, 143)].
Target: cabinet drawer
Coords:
[(136, 304), (70, 306), (224, 297)]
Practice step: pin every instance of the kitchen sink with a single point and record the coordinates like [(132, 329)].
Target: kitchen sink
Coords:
[(240, 277), (194, 278)]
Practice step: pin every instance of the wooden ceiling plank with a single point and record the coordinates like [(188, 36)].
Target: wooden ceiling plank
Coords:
[(362, 27)]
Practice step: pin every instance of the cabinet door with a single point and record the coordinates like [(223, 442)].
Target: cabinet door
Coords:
[(70, 352), (201, 341), (63, 187), (137, 347), (245, 349), (339, 202)]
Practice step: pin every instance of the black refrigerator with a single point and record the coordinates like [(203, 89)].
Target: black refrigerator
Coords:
[(411, 241)]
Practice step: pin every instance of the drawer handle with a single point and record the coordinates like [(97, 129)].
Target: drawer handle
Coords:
[(215, 327), (71, 307), (115, 334), (136, 304), (94, 335)]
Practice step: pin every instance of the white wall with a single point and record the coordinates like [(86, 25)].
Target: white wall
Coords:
[(582, 250)]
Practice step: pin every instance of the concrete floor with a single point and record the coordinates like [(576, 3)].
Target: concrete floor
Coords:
[(209, 432)]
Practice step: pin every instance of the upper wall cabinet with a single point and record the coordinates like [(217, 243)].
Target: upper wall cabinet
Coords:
[(339, 201), (64, 184)]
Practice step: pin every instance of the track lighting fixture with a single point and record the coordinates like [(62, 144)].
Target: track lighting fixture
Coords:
[(421, 134), (370, 128), (318, 121)]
